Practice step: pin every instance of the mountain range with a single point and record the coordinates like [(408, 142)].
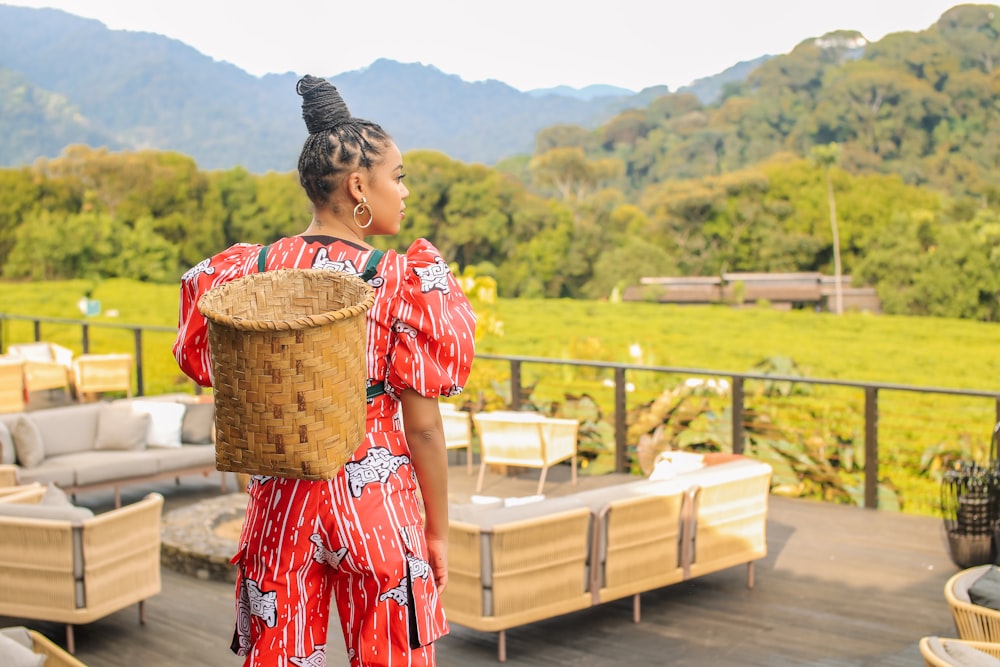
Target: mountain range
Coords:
[(71, 80)]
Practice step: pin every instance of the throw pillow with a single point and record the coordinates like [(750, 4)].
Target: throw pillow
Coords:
[(165, 422), (13, 654), (118, 427), (985, 591), (967, 656), (199, 419), (7, 452), (28, 442)]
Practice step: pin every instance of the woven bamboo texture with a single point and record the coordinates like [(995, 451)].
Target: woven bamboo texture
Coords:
[(26, 493), (933, 659), (641, 546), (288, 369), (973, 622), (55, 656)]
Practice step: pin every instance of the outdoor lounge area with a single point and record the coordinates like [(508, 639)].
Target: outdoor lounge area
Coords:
[(838, 586)]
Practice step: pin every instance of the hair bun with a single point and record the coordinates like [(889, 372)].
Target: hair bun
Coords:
[(322, 106)]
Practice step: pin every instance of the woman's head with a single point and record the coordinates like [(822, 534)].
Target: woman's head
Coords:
[(343, 157)]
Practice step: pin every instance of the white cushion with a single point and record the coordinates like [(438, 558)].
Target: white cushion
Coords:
[(28, 442), (14, 654), (166, 420)]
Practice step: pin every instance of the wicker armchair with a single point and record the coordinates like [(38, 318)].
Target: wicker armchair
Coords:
[(78, 570), (46, 365), (12, 394), (525, 439), (97, 373), (974, 622), (942, 652), (457, 431)]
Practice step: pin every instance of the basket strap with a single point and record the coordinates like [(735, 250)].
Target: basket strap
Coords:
[(372, 265), (262, 259), (375, 390)]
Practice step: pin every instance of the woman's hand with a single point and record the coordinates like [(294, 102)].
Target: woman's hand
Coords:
[(437, 556)]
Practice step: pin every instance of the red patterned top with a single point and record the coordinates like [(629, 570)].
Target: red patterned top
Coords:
[(421, 329)]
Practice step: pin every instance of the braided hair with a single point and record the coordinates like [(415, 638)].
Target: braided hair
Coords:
[(338, 143)]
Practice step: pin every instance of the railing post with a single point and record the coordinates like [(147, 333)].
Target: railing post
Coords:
[(85, 336), (871, 448), (621, 428), (515, 385), (738, 427), (138, 361), (38, 330)]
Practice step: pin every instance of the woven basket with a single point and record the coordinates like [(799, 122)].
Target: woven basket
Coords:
[(288, 369)]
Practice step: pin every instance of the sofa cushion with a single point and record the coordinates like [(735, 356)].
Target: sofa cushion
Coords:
[(51, 512), (962, 655), (120, 427), (28, 442), (169, 459), (15, 654), (99, 467), (985, 591), (199, 420), (165, 418), (8, 455), (69, 428)]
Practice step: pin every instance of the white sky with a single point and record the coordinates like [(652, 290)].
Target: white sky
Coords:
[(524, 43)]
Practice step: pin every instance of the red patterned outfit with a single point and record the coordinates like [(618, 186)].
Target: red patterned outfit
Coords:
[(359, 536)]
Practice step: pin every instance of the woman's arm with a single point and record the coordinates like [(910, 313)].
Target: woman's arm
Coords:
[(425, 437)]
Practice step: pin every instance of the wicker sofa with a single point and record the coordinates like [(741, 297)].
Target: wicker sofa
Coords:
[(109, 444), (61, 563), (513, 565), (19, 637)]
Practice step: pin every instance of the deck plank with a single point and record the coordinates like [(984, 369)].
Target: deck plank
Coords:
[(840, 586)]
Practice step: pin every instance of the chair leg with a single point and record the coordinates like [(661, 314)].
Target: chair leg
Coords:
[(573, 463), (142, 612), (482, 474), (636, 608), (468, 458), (502, 646), (70, 644), (750, 574), (541, 481)]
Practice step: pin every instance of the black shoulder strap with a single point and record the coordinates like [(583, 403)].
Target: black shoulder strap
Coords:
[(372, 265)]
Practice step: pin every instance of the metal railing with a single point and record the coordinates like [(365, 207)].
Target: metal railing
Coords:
[(620, 371)]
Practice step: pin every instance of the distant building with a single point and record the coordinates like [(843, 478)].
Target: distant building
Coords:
[(785, 291)]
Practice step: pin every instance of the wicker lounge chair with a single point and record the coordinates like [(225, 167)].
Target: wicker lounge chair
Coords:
[(943, 652), (525, 439), (457, 430), (94, 374), (12, 394), (974, 622), (46, 365), (77, 568)]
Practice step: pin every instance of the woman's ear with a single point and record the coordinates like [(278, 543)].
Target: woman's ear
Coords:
[(356, 185)]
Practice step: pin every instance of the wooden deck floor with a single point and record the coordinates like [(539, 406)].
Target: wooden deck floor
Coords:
[(840, 586)]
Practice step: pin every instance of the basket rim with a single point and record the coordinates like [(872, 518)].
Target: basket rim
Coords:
[(305, 322)]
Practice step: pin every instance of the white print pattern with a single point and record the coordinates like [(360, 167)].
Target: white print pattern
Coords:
[(377, 465), (323, 261), (419, 568), (258, 480), (204, 266), (434, 277), (401, 327), (397, 594), (324, 555), (262, 604), (317, 659)]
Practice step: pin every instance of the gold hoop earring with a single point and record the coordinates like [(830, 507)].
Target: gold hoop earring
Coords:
[(361, 208)]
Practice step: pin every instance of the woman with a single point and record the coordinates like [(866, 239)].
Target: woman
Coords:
[(360, 535)]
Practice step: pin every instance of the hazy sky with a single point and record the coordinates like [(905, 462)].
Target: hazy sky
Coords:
[(526, 44)]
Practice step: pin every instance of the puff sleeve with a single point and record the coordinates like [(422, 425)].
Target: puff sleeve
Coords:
[(191, 345), (435, 327)]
